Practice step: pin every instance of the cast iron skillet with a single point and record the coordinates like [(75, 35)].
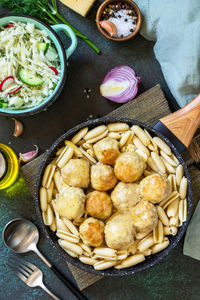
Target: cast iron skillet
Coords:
[(150, 260)]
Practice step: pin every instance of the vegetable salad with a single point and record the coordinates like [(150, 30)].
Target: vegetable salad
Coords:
[(29, 64)]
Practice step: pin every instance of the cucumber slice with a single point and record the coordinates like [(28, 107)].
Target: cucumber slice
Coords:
[(29, 78), (51, 54), (42, 47)]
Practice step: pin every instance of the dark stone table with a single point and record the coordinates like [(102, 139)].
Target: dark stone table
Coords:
[(177, 276)]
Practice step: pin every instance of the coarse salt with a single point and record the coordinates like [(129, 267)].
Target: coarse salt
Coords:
[(124, 28)]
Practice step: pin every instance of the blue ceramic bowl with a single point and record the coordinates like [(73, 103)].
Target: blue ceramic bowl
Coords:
[(64, 54)]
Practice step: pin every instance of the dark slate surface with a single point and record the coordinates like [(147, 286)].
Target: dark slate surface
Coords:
[(177, 276)]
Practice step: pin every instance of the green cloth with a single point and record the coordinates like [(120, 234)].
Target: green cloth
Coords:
[(175, 27), (192, 240)]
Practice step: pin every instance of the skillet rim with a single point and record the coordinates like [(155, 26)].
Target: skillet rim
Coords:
[(51, 237)]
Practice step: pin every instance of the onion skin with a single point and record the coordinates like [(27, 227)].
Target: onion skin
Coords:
[(120, 75)]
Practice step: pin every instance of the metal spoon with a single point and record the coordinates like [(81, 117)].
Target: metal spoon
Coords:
[(21, 236)]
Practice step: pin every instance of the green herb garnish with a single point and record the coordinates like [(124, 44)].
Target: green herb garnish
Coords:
[(46, 11)]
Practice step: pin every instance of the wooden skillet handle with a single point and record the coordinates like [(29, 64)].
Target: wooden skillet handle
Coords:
[(184, 122)]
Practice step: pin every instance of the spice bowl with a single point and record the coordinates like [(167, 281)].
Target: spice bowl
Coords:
[(118, 20)]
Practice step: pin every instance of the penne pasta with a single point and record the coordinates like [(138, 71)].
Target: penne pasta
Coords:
[(142, 154), (50, 191), (71, 253), (87, 260), (53, 226), (102, 265), (146, 252), (61, 154), (51, 173), (91, 153), (175, 159), (70, 247), (179, 174), (183, 187), (174, 220), (158, 161), (152, 164), (162, 145), (170, 230), (80, 135), (105, 258), (130, 147), (167, 201), (87, 146), (124, 138), (184, 210), (158, 233), (118, 127), (93, 133), (172, 209), (88, 156), (44, 217), (130, 261), (170, 169), (145, 243), (60, 151), (162, 215), (46, 175), (61, 225), (43, 199), (108, 252), (67, 236), (86, 248), (76, 150), (152, 146), (71, 226), (141, 235), (122, 254), (49, 215), (139, 145), (159, 247), (114, 135), (97, 138), (140, 133), (58, 181), (65, 158), (168, 158)]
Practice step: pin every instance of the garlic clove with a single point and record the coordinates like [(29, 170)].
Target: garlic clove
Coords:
[(19, 128), (28, 156), (109, 27)]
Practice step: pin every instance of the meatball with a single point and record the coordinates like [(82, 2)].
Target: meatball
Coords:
[(76, 173), (129, 167), (102, 177), (119, 232), (144, 216), (154, 188), (99, 205), (125, 195), (92, 232), (107, 151), (70, 202)]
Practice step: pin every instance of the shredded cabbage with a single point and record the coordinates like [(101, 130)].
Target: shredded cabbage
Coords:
[(18, 50)]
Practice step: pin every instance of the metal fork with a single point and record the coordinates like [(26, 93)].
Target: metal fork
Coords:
[(29, 273)]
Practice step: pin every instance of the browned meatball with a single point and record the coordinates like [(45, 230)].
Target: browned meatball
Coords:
[(125, 195), (144, 216), (102, 177), (99, 205), (76, 173), (92, 232), (129, 167), (107, 151), (154, 188)]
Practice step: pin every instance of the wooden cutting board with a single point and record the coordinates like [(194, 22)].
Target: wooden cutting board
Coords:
[(148, 107)]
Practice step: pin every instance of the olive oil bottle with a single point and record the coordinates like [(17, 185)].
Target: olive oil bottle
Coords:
[(9, 166)]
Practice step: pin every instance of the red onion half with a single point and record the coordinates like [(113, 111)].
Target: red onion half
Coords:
[(120, 84)]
